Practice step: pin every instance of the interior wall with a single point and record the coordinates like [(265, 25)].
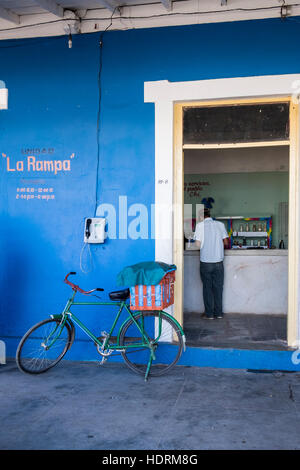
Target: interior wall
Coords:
[(248, 182), (241, 194), (240, 160)]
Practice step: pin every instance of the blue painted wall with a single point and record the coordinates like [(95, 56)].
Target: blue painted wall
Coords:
[(53, 109)]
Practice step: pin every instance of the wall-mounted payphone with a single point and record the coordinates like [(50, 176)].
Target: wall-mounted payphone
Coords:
[(94, 230)]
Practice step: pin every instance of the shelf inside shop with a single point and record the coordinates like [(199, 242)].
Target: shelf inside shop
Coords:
[(250, 234), (237, 247)]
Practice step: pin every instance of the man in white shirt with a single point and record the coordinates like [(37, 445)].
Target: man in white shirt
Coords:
[(211, 236)]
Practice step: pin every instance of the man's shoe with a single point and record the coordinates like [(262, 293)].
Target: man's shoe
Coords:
[(219, 316)]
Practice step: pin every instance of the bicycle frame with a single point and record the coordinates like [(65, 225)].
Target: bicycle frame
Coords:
[(67, 315)]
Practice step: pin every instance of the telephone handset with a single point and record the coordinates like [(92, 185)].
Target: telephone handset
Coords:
[(87, 228)]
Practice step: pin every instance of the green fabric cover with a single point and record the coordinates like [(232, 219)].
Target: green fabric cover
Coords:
[(147, 273)]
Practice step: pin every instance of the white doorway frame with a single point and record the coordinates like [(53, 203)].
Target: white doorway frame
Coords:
[(169, 99)]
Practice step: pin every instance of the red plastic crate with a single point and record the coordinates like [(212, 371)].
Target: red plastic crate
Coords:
[(153, 297)]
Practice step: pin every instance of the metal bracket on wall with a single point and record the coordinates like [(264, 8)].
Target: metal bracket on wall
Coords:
[(285, 10)]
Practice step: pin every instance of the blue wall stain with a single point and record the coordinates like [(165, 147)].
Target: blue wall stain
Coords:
[(53, 107)]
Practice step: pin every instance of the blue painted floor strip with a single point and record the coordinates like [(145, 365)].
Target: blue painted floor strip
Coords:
[(195, 356), (241, 359)]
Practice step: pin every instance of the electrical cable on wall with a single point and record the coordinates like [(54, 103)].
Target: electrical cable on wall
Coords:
[(90, 256), (99, 106), (98, 140)]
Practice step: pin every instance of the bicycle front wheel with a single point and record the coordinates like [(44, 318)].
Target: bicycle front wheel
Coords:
[(43, 346), (164, 337)]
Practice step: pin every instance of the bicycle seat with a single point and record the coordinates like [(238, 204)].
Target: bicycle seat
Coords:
[(119, 294)]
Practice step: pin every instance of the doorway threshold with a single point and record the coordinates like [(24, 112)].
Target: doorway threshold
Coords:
[(237, 331)]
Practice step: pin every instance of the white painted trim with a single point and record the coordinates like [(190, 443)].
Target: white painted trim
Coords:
[(223, 88), (3, 98), (163, 181), (236, 145), (165, 94)]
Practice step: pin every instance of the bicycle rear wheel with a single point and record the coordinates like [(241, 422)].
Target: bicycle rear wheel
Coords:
[(43, 346), (164, 335)]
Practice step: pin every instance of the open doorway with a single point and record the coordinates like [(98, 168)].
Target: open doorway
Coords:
[(237, 157)]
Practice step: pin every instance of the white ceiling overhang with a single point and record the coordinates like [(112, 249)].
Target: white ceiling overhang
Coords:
[(37, 18)]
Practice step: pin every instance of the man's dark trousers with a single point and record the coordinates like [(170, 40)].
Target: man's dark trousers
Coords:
[(212, 276)]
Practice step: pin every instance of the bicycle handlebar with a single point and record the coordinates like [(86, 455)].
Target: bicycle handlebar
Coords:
[(77, 288)]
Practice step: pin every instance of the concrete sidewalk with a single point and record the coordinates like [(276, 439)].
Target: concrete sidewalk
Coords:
[(81, 405)]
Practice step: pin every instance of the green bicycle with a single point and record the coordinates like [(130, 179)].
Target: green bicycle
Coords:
[(151, 342)]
